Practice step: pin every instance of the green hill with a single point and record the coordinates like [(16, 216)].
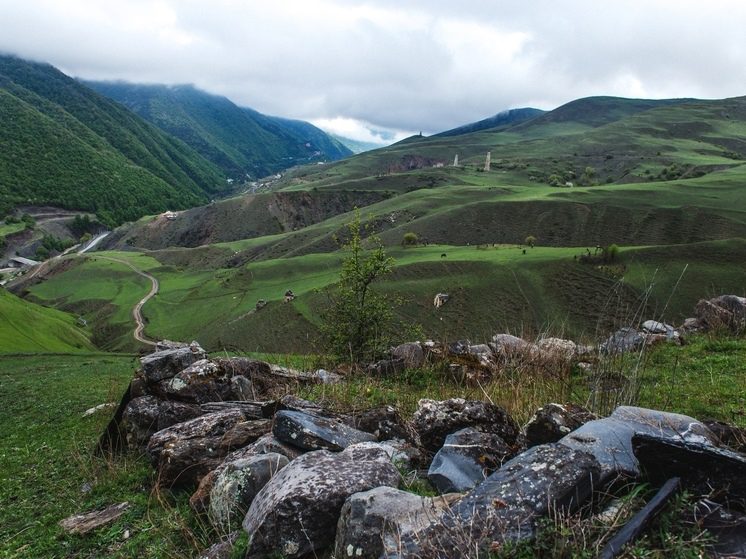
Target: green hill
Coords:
[(507, 118), (29, 328), (66, 145), (240, 141)]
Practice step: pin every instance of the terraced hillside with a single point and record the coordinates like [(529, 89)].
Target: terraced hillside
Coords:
[(662, 179)]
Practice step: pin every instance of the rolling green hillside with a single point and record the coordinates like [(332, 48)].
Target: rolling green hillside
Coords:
[(507, 118), (65, 145), (238, 140), (29, 328)]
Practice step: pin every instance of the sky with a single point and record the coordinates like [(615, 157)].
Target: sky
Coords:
[(379, 71)]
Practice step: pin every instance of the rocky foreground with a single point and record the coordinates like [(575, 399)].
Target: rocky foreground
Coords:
[(298, 478)]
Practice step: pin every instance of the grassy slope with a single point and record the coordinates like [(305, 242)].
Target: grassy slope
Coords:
[(29, 328), (67, 145), (493, 288)]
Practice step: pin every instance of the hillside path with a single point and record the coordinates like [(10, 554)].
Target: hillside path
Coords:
[(137, 309)]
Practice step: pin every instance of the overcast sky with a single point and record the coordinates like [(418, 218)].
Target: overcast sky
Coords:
[(360, 67)]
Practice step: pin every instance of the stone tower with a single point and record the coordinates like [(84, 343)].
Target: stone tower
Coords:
[(487, 162), (455, 160)]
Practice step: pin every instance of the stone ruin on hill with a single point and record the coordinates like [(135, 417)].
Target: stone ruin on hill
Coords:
[(299, 478)]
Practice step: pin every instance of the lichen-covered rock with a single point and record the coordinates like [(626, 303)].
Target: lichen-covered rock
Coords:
[(187, 451), (557, 347), (623, 340), (552, 422), (435, 420), (411, 353), (466, 459), (296, 513), (725, 311), (146, 415), (222, 549), (311, 432), (610, 439), (507, 345), (372, 523), (167, 363), (266, 444), (206, 381), (236, 485), (385, 422), (403, 455), (506, 506)]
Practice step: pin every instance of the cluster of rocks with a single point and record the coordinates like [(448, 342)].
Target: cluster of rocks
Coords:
[(298, 478)]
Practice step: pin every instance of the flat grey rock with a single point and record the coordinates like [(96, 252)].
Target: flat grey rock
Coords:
[(311, 432), (466, 459), (167, 363), (506, 506), (610, 439)]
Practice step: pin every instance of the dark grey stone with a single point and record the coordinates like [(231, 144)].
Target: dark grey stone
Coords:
[(410, 353), (385, 422), (466, 459), (205, 381), (700, 465), (435, 420), (311, 432), (372, 522), (623, 340), (235, 487), (167, 363), (552, 422), (506, 506), (185, 452), (727, 527), (296, 513), (146, 415), (610, 439)]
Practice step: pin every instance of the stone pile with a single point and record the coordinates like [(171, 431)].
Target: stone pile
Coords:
[(300, 479)]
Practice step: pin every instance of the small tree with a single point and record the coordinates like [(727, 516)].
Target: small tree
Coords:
[(530, 241), (611, 252), (359, 322), (409, 239)]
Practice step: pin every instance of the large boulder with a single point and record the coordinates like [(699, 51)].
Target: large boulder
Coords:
[(701, 466), (507, 345), (266, 444), (311, 432), (552, 422), (164, 364), (411, 354), (435, 420), (372, 522), (466, 459), (725, 311), (206, 381), (185, 452), (146, 415), (236, 485), (624, 340), (296, 513), (609, 440), (507, 505), (557, 347)]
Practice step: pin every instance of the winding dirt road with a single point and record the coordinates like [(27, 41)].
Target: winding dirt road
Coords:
[(137, 309)]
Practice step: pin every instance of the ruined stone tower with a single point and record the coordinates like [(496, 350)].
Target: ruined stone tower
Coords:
[(487, 162)]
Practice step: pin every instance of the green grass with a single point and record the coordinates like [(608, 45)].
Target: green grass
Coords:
[(493, 288), (29, 328), (46, 460)]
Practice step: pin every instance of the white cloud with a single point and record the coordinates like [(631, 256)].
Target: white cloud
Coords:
[(419, 65)]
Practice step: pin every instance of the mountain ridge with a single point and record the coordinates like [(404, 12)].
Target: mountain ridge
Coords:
[(241, 141)]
